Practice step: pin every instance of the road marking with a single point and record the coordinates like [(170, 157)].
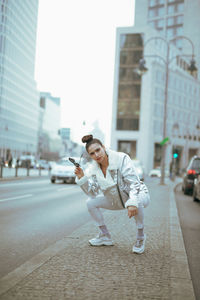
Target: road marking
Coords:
[(15, 198)]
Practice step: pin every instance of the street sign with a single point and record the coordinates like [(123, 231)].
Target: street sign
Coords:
[(164, 141)]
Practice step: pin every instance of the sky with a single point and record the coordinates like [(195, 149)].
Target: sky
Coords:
[(75, 57)]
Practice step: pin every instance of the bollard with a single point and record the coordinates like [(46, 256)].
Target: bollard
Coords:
[(39, 170), (16, 170), (1, 170)]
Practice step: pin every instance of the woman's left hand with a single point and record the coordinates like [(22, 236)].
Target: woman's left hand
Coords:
[(132, 211)]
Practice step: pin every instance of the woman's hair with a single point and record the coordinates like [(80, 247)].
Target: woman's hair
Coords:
[(89, 140)]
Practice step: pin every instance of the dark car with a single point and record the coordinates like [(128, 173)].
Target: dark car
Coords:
[(191, 173), (196, 189)]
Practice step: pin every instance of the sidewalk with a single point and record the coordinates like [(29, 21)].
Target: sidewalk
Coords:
[(71, 269), (9, 174)]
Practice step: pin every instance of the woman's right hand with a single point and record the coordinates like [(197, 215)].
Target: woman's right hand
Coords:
[(79, 172)]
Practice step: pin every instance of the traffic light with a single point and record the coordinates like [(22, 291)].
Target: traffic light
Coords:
[(175, 153)]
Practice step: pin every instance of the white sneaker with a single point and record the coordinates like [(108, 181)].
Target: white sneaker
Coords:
[(101, 240), (139, 245)]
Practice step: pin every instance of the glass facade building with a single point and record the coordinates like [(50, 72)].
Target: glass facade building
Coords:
[(128, 113), (19, 98)]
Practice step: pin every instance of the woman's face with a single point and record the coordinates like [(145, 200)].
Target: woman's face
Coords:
[(97, 152)]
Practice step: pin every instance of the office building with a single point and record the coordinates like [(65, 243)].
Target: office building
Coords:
[(139, 100), (172, 18), (49, 140), (19, 99)]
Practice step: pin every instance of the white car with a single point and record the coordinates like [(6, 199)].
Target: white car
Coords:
[(157, 172), (139, 169), (63, 170)]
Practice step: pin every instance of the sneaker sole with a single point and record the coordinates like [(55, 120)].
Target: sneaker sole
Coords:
[(102, 244), (140, 251)]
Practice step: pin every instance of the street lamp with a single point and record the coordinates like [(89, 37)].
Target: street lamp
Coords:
[(142, 69)]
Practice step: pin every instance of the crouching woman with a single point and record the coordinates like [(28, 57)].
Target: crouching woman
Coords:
[(111, 182)]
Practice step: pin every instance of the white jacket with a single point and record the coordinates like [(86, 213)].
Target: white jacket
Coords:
[(120, 171)]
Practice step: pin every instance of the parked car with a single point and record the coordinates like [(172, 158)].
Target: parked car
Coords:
[(139, 168), (63, 170), (157, 172), (196, 189), (42, 164), (26, 161), (190, 174)]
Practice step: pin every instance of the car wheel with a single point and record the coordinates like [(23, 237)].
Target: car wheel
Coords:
[(185, 191), (53, 180)]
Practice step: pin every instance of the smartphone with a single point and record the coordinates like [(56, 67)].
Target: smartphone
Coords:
[(73, 161)]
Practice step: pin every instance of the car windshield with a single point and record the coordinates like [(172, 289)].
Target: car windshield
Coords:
[(64, 163), (196, 164)]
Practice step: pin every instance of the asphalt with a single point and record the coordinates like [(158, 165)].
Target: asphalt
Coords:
[(72, 269)]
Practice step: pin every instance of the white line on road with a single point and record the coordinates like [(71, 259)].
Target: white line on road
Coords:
[(15, 198)]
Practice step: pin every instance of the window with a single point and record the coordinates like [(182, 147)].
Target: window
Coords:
[(160, 23), (160, 11), (128, 147), (179, 30), (170, 32), (180, 7), (156, 2), (179, 19), (175, 8), (171, 9), (152, 13), (170, 21), (152, 3)]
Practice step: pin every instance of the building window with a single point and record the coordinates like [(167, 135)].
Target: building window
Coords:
[(175, 7), (153, 3), (128, 147)]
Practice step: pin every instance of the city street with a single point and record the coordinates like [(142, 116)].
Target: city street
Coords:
[(35, 214)]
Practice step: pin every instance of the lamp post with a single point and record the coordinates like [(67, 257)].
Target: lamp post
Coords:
[(142, 69)]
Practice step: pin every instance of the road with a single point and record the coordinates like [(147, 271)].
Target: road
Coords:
[(189, 216), (35, 214)]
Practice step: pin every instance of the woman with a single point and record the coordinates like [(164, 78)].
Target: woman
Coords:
[(111, 182)]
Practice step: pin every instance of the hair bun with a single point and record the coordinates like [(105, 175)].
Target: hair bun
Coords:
[(87, 138)]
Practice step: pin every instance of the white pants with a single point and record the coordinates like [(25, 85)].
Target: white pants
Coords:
[(95, 204)]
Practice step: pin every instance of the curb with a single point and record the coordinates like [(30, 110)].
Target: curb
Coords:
[(181, 282), (22, 178)]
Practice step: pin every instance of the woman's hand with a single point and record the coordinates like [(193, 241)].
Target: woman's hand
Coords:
[(79, 172), (132, 211)]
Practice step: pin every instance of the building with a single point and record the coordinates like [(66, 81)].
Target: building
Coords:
[(172, 18), (138, 101), (19, 99), (49, 141)]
